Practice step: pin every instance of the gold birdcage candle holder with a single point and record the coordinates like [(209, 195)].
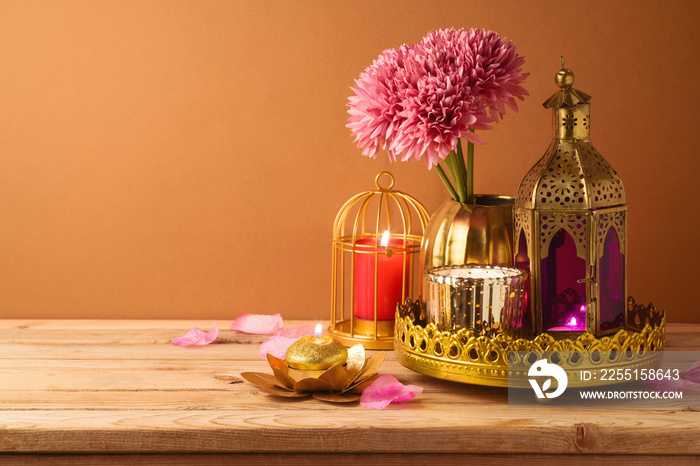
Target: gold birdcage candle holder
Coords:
[(376, 241)]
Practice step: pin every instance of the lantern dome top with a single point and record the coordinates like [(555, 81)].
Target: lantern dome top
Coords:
[(567, 96), (572, 175), (575, 179)]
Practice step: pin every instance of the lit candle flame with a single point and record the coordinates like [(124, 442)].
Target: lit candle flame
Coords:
[(318, 330), (583, 308), (572, 322), (385, 239)]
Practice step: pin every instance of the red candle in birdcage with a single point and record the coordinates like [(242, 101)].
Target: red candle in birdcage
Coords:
[(388, 265)]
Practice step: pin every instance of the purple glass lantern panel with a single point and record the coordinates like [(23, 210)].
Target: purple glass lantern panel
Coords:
[(563, 298), (612, 284), (522, 261)]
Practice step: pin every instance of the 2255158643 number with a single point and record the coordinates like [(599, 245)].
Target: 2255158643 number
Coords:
[(619, 375)]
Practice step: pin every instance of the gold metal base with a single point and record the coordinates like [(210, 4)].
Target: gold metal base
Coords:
[(464, 357), (364, 333)]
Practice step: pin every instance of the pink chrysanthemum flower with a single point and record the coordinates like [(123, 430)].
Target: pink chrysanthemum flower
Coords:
[(491, 61), (376, 103), (436, 115), (420, 100), (439, 107)]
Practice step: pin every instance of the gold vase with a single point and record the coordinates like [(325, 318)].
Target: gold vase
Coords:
[(461, 234)]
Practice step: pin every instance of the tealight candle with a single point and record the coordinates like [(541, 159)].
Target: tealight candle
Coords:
[(572, 322), (317, 352)]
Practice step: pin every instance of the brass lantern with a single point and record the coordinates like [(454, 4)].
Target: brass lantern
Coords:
[(570, 220), (376, 241)]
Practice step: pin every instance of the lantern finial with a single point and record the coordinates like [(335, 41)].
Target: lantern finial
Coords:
[(564, 77)]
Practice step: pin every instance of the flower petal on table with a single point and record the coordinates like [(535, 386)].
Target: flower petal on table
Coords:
[(672, 385), (195, 336), (296, 332), (276, 346), (386, 389), (259, 324), (692, 373)]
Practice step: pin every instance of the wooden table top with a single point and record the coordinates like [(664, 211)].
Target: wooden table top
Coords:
[(112, 386)]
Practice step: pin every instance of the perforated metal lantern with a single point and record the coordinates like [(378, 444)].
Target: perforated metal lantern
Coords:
[(376, 241), (570, 228)]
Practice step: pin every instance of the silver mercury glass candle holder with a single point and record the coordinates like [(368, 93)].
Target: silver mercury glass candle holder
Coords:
[(486, 299)]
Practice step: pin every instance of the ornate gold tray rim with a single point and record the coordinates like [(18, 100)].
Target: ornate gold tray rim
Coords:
[(488, 363)]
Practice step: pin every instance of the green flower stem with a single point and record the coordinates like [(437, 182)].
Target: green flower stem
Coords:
[(465, 174), (452, 161), (446, 180), (470, 172), (462, 173)]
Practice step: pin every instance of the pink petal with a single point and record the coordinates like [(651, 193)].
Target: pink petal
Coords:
[(259, 324), (276, 346), (196, 336), (296, 332), (386, 389), (673, 385), (692, 373), (689, 380)]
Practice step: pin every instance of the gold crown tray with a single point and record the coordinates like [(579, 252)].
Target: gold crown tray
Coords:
[(467, 357)]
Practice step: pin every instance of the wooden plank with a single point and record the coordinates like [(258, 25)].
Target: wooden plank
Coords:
[(243, 350), (179, 379), (30, 343), (155, 324), (162, 351), (121, 376), (246, 398), (90, 391), (357, 431), (78, 326), (118, 324), (46, 337), (221, 399), (324, 459)]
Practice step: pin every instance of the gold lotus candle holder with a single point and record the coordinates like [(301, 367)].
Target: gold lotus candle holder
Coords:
[(376, 241), (339, 383)]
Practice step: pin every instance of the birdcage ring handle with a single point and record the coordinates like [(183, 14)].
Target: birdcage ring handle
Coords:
[(391, 181)]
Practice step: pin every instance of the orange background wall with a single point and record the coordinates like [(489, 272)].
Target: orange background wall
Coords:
[(186, 159)]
